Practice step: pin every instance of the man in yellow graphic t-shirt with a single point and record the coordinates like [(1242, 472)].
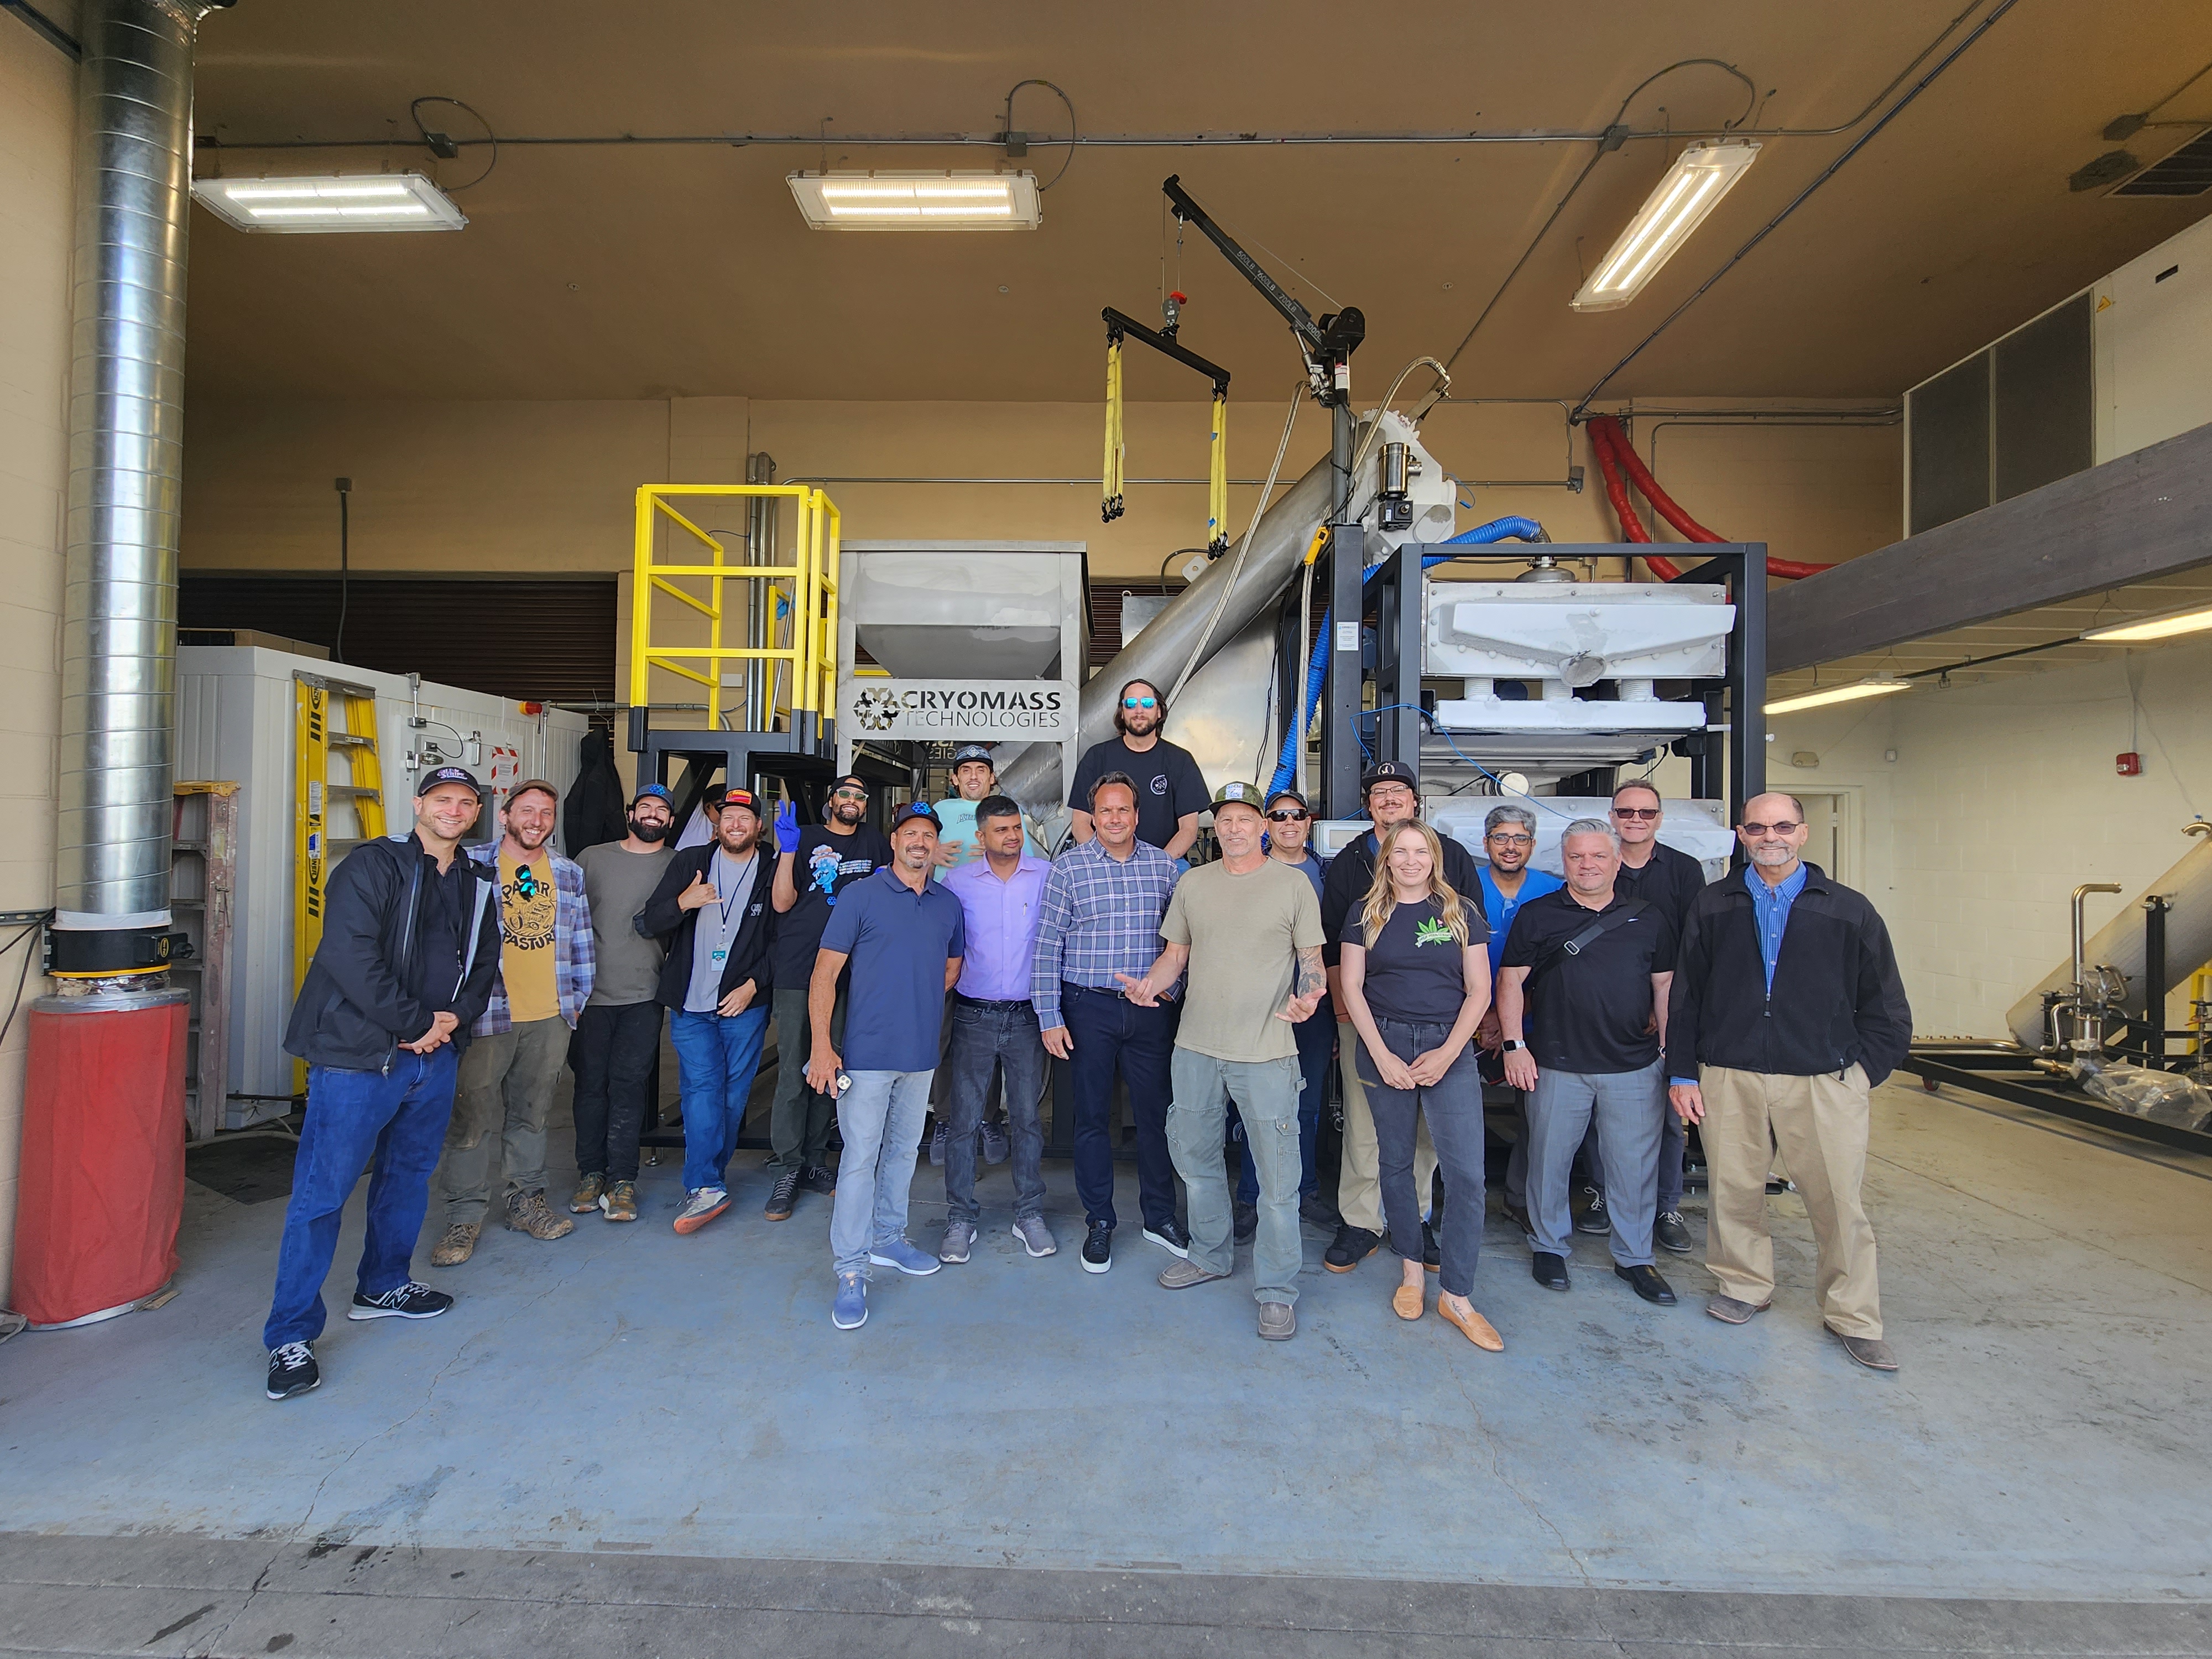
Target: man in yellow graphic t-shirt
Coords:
[(505, 1091)]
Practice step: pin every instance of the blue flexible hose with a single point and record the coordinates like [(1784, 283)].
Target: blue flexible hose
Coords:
[(1497, 530)]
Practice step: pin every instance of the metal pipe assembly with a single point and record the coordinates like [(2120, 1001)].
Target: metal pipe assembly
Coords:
[(103, 1150)]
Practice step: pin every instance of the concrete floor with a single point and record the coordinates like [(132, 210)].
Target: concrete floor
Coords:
[(627, 1392)]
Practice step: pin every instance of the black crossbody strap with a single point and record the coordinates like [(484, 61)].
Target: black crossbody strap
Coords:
[(1575, 946)]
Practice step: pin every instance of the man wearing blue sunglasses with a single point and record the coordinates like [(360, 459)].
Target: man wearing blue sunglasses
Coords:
[(1171, 791)]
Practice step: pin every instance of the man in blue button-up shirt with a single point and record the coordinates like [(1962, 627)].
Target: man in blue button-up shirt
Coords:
[(994, 1028)]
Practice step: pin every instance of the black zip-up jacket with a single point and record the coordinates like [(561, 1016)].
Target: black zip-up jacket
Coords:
[(1836, 995), (750, 951), (1352, 872), (365, 992)]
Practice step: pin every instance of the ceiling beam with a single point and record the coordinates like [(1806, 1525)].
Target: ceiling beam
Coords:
[(2134, 518)]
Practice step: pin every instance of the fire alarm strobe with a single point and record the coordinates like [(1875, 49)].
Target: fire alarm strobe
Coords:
[(2128, 765)]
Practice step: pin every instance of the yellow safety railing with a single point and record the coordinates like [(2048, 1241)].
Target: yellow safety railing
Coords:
[(809, 585)]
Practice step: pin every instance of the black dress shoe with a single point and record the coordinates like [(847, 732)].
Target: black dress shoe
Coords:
[(1670, 1232), (1351, 1246), (1244, 1221), (1432, 1255), (1594, 1220), (1318, 1212), (1519, 1217), (1550, 1271), (1646, 1283)]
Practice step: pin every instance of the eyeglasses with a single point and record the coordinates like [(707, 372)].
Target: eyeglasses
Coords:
[(1639, 813), (1139, 703), (849, 794), (1780, 827), (1289, 817), (1511, 841)]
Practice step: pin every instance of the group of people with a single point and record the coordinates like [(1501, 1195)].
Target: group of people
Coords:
[(943, 964)]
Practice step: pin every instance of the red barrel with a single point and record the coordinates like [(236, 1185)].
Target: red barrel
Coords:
[(101, 1181)]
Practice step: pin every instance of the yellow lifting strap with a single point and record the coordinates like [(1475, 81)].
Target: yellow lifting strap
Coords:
[(1217, 481), (1110, 509)]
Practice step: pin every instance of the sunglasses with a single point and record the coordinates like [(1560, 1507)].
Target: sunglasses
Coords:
[(1139, 703), (849, 794), (1780, 827), (1639, 813), (1289, 816)]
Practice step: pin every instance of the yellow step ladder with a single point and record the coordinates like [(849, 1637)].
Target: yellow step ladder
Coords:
[(329, 717)]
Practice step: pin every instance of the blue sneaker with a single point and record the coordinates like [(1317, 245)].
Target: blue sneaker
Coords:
[(850, 1310), (903, 1255)]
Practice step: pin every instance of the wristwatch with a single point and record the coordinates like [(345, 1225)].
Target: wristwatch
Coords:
[(1509, 1044)]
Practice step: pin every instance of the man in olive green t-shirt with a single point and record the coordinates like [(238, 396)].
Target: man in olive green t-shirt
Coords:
[(1248, 929)]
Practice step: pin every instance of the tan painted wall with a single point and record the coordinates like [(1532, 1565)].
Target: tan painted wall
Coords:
[(36, 127)]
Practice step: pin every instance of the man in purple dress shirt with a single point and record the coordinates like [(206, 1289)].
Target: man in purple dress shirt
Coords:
[(994, 1028)]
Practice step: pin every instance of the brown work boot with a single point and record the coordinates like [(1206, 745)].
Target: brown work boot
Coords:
[(458, 1244), (1870, 1352), (1729, 1312), (620, 1201), (528, 1212), (587, 1197)]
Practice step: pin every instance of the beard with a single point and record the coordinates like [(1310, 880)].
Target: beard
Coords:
[(1147, 722), (654, 832)]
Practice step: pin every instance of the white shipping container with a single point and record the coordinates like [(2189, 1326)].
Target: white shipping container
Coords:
[(235, 713)]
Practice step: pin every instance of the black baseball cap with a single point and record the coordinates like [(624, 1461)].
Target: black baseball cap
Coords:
[(1387, 772), (438, 774), (744, 797), (1304, 805), (917, 809), (974, 751), (854, 778)]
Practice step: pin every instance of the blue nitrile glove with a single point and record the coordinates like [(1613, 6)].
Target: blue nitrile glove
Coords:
[(787, 828)]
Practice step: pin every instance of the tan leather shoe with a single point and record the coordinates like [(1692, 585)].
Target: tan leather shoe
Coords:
[(1278, 1321), (1406, 1301), (1477, 1330), (458, 1244)]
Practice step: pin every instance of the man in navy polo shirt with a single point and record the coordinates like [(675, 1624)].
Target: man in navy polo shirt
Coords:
[(903, 935)]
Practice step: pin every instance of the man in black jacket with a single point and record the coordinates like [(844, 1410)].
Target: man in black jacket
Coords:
[(1786, 1009), (712, 906), (1392, 794), (411, 943)]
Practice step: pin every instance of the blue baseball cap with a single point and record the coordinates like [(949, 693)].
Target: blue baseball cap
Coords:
[(917, 809), (974, 751), (658, 791)]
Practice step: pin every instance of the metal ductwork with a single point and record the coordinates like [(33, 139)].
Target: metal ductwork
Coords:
[(1169, 640), (125, 483)]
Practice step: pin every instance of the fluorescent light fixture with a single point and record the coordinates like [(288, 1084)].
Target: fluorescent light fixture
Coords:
[(1876, 685), (918, 201), (1678, 204), (345, 202), (2165, 625)]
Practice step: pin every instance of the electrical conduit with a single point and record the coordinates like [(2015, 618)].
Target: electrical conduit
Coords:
[(1612, 443)]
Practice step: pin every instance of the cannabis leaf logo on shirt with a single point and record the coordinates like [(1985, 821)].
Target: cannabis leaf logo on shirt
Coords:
[(1432, 931)]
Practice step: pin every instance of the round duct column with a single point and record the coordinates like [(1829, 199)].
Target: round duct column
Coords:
[(102, 1178)]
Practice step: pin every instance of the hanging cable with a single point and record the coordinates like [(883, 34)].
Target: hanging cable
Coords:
[(1216, 481), (1110, 507), (1236, 569), (442, 146), (1007, 131)]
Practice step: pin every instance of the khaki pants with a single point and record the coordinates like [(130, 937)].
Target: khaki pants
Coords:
[(1820, 1125), (1359, 1183)]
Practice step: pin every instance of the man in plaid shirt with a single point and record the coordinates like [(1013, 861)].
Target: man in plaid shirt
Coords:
[(1100, 919), (505, 1091)]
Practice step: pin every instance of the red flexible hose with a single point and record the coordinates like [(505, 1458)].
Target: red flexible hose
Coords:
[(1603, 433), (1606, 429)]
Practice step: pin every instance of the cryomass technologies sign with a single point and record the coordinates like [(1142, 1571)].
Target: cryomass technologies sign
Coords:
[(949, 709)]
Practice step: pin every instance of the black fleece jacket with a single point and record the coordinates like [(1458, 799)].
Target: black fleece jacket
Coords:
[(368, 990), (750, 951), (1836, 995)]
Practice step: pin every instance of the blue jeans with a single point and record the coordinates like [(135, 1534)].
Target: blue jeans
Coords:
[(880, 1118), (716, 1056), (990, 1039), (1317, 1040), (1109, 1031), (397, 1116)]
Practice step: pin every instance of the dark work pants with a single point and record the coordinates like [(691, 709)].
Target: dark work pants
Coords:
[(799, 1116), (615, 1048), (1110, 1032), (1453, 1106), (991, 1040)]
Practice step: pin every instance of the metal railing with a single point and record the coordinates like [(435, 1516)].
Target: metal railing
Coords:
[(809, 587)]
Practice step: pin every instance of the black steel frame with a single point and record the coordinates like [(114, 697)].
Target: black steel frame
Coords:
[(2011, 1075)]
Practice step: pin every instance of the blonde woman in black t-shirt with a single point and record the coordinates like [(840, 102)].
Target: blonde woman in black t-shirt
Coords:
[(1415, 972)]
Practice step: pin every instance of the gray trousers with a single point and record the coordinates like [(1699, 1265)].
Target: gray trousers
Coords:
[(1267, 1096), (503, 1096), (1627, 1107)]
